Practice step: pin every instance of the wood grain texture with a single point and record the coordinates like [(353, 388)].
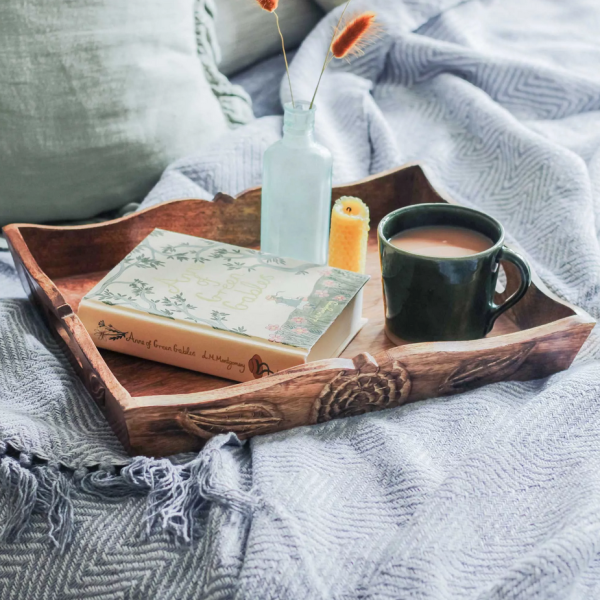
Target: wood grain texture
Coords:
[(158, 409)]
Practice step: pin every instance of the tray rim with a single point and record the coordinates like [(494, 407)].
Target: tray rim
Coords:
[(33, 275)]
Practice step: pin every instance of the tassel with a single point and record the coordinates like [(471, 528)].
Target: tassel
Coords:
[(207, 473), (167, 490), (105, 483), (18, 491), (53, 499)]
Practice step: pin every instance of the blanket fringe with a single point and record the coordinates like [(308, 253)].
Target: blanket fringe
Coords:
[(54, 500), (175, 494), (18, 489)]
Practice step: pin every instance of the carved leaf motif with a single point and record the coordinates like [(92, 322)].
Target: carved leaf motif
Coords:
[(359, 392), (245, 420), (472, 373)]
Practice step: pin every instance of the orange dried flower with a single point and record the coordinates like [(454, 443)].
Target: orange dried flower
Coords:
[(354, 35), (268, 5)]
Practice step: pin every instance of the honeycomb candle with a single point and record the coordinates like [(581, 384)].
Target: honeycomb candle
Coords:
[(349, 235)]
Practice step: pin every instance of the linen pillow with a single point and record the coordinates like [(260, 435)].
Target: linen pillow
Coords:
[(247, 34), (97, 97), (330, 4)]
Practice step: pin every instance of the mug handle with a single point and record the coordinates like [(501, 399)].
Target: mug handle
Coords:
[(525, 273)]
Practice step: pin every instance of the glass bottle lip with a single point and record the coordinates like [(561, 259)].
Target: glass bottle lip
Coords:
[(299, 120), (300, 107)]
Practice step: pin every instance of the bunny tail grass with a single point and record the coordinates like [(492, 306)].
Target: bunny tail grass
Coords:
[(354, 36), (268, 5)]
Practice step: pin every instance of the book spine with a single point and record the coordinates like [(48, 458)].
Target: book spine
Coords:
[(175, 343)]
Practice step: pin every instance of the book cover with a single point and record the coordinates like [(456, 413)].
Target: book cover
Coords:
[(221, 309)]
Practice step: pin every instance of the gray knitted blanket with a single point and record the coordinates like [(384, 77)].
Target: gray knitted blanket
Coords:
[(490, 494)]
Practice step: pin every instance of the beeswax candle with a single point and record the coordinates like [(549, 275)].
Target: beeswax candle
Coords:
[(349, 234)]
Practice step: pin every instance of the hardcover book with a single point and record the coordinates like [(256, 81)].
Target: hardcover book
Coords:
[(223, 310)]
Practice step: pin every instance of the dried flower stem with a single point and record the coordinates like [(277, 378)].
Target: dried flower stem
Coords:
[(327, 56), (287, 68)]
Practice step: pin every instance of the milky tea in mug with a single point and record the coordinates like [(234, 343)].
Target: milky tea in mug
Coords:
[(439, 264), (442, 241)]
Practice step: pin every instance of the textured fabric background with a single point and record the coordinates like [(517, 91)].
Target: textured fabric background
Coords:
[(329, 4), (491, 494), (248, 34), (97, 97)]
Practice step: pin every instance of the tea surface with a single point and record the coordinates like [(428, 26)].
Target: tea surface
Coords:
[(441, 241)]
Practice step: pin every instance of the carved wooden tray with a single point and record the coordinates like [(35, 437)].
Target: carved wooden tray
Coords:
[(158, 410)]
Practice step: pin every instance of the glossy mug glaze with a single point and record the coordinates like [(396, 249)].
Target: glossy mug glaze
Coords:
[(431, 298)]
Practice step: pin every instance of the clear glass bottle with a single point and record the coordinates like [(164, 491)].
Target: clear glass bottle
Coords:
[(296, 192)]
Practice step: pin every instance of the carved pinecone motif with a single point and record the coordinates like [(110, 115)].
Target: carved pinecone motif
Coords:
[(362, 392)]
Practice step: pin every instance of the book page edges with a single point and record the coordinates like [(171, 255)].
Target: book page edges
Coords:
[(334, 341)]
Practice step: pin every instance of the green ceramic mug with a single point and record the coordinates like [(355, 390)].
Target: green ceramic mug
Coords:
[(436, 299)]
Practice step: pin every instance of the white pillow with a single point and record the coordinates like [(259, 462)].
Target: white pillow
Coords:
[(97, 97), (247, 34)]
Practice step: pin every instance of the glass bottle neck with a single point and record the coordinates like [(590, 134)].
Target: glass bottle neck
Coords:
[(299, 123)]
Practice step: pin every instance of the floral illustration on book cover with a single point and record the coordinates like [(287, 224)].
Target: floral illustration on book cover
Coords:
[(227, 288)]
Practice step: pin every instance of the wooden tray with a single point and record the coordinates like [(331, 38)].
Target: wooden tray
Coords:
[(158, 410)]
